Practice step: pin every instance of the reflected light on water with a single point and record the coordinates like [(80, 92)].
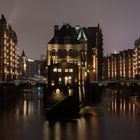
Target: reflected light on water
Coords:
[(30, 105), (113, 118), (79, 129), (57, 131), (25, 108), (28, 108), (124, 107), (122, 104)]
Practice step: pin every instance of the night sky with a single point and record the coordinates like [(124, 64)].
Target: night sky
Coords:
[(34, 20)]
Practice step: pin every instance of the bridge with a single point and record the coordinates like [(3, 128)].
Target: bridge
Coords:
[(36, 80)]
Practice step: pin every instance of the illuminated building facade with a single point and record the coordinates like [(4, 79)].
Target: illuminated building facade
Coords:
[(69, 45), (75, 46), (111, 67), (8, 52), (126, 63), (119, 65), (63, 73), (94, 52), (136, 58), (28, 68)]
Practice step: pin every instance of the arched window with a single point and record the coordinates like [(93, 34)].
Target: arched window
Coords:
[(53, 52), (75, 53), (70, 52), (62, 53)]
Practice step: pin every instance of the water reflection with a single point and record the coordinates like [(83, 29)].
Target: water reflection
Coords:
[(81, 129), (115, 115), (122, 104), (31, 103)]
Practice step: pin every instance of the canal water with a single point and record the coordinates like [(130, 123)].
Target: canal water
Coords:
[(115, 115)]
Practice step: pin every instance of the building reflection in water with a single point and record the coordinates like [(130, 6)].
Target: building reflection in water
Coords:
[(30, 104), (123, 104), (24, 107), (115, 101), (80, 129), (109, 123)]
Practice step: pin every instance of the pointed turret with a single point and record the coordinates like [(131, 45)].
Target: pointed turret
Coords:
[(23, 54), (82, 35), (3, 20), (10, 28)]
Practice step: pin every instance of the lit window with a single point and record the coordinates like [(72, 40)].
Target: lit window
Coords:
[(52, 83), (60, 79), (66, 70), (55, 70), (5, 41), (59, 70), (70, 70), (70, 77)]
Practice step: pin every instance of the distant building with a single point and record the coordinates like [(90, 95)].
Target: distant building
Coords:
[(126, 63), (111, 66), (136, 58), (8, 52), (79, 47), (43, 67), (119, 65), (33, 68), (28, 68), (22, 65)]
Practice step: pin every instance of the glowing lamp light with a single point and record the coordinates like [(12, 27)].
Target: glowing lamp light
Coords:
[(55, 70), (52, 84)]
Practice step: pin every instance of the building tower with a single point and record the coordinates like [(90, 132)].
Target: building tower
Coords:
[(23, 64), (94, 52)]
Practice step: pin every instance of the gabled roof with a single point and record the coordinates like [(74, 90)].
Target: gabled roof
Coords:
[(66, 35)]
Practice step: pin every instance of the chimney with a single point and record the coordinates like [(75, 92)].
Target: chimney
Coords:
[(56, 29)]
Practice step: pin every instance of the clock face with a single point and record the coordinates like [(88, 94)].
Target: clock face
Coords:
[(62, 53)]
